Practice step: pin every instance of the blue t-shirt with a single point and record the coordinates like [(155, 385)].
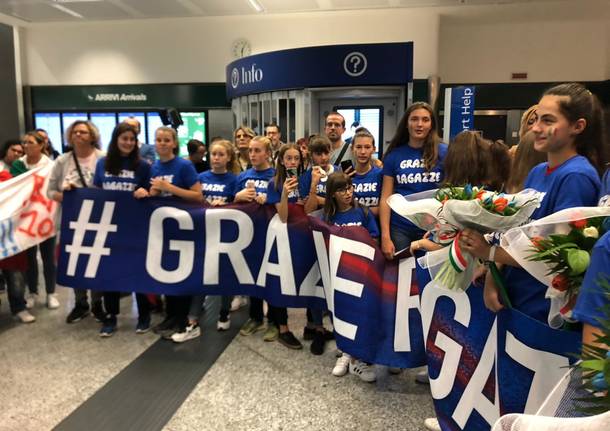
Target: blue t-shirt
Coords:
[(356, 217), (305, 182), (592, 297), (260, 179), (574, 183), (127, 180), (406, 166), (604, 195), (274, 194), (177, 171), (367, 187), (218, 186)]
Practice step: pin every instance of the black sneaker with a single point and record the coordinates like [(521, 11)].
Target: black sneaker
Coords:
[(167, 323), (289, 340), (308, 333), (77, 313), (317, 345), (98, 312)]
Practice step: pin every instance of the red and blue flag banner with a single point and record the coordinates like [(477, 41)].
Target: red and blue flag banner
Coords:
[(481, 365), (27, 216)]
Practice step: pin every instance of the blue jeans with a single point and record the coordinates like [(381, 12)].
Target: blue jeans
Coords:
[(196, 308), (403, 239)]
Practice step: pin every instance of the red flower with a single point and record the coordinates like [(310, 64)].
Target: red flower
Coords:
[(480, 194), (579, 224), (536, 241), (5, 175), (500, 204), (560, 282)]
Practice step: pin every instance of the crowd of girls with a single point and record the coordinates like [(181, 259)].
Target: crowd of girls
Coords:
[(560, 155)]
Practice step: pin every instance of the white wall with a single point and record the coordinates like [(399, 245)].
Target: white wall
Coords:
[(198, 49), (546, 50)]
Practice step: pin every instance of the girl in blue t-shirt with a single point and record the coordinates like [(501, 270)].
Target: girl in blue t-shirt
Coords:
[(341, 209), (252, 183), (252, 186), (218, 183), (283, 190), (218, 188), (123, 170), (367, 177), (174, 176), (568, 130), (312, 184), (413, 163)]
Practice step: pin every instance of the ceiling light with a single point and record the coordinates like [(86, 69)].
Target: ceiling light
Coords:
[(256, 5), (68, 11)]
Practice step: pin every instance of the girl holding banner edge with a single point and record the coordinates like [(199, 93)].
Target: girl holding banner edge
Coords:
[(282, 190), (568, 129), (123, 170), (252, 185), (34, 147), (172, 176), (218, 188), (413, 163)]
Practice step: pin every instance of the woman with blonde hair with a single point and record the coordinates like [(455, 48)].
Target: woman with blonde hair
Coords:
[(242, 137)]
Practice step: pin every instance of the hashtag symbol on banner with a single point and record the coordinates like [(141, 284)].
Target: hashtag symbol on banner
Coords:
[(80, 228)]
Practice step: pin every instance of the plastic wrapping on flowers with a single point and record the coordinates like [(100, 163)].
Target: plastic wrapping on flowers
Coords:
[(452, 210), (556, 251)]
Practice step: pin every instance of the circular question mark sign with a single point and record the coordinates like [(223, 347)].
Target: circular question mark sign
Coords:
[(354, 63)]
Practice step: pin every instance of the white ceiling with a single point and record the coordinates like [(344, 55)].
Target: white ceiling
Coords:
[(42, 11)]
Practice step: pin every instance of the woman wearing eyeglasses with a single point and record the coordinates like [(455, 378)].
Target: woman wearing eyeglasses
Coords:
[(75, 169)]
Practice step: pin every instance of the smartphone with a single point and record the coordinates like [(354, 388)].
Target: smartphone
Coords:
[(291, 172), (346, 164)]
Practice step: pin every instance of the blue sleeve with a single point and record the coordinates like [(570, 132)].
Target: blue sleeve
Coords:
[(605, 191), (241, 182), (576, 190), (273, 195), (371, 225), (143, 175), (305, 184), (231, 188), (592, 297), (99, 172), (189, 175), (388, 165)]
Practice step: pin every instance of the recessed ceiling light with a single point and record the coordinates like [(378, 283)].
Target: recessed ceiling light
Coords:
[(256, 5)]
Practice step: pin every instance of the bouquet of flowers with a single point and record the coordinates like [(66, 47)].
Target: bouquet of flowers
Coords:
[(450, 210), (556, 250)]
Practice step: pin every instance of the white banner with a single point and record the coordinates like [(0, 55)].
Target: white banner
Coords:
[(27, 216)]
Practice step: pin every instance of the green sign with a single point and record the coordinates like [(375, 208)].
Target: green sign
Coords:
[(116, 97), (193, 128)]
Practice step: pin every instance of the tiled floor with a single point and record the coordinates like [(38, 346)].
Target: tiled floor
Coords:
[(50, 368)]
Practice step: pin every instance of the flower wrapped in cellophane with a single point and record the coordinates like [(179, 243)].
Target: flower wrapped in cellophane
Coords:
[(556, 250), (447, 211)]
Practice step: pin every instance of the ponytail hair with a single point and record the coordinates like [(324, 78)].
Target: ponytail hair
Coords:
[(577, 102)]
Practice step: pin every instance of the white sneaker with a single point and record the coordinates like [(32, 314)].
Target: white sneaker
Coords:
[(238, 302), (362, 370), (422, 377), (432, 424), (52, 301), (30, 300), (191, 332), (342, 365), (223, 326), (25, 317)]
